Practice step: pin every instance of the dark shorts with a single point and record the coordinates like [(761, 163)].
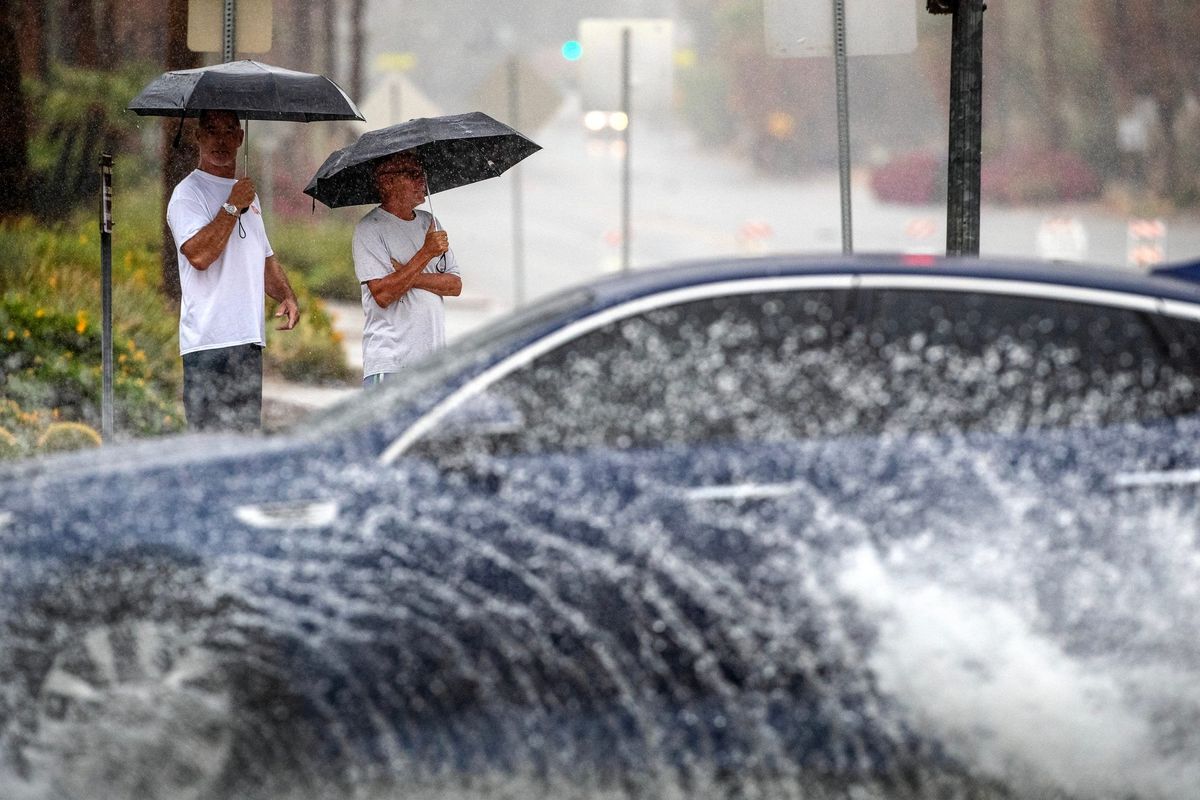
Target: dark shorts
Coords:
[(222, 388)]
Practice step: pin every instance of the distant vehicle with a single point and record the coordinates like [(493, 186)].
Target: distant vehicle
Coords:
[(775, 527)]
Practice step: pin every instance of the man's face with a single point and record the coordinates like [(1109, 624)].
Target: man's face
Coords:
[(401, 180), (219, 135)]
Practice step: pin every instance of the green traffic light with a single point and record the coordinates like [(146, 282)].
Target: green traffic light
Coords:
[(572, 50)]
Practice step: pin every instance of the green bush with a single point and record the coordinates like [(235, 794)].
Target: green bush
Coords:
[(320, 251), (61, 437), (51, 360), (312, 351), (10, 446)]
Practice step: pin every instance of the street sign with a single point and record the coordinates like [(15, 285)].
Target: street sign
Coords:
[(804, 28), (206, 26), (652, 63), (537, 99)]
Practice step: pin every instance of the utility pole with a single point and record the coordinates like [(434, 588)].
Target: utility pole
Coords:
[(966, 123)]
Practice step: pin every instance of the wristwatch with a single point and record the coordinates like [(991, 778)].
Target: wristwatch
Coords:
[(230, 209)]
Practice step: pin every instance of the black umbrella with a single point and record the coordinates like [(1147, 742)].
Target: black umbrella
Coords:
[(252, 89), (454, 150)]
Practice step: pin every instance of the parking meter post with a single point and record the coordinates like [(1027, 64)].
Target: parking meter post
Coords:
[(106, 339), (626, 108), (518, 213), (966, 123), (843, 120)]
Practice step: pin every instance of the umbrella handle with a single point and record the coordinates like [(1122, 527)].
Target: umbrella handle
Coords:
[(441, 263)]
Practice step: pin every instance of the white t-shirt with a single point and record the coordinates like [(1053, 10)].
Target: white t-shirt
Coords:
[(415, 325), (222, 305)]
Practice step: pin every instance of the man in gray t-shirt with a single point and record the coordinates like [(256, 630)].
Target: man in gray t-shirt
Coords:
[(405, 267)]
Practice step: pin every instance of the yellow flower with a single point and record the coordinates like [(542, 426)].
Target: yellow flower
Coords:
[(53, 281), (83, 239), (139, 355), (27, 333), (40, 312), (81, 321), (121, 358), (10, 334)]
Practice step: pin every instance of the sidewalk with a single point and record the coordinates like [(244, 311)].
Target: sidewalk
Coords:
[(285, 402)]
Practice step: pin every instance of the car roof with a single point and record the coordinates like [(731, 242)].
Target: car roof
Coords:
[(642, 282)]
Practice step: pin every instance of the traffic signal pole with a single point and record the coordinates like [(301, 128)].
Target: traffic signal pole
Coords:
[(966, 124)]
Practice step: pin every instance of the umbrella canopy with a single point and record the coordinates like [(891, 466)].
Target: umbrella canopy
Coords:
[(454, 150), (250, 88)]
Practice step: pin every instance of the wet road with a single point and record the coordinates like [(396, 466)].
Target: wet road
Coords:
[(691, 203)]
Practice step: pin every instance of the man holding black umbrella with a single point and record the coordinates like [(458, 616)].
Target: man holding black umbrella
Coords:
[(405, 267), (226, 265)]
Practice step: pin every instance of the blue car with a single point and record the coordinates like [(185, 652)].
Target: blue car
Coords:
[(870, 527)]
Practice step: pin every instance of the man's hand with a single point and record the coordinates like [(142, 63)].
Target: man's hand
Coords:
[(436, 242), (242, 193), (289, 309)]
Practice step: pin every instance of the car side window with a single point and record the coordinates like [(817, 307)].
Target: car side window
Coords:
[(725, 368), (806, 364), (972, 361)]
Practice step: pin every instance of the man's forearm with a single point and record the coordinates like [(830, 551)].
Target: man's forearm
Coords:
[(390, 288), (275, 281), (444, 284), (209, 242)]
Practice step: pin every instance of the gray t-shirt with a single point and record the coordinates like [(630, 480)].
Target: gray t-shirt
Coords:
[(415, 325)]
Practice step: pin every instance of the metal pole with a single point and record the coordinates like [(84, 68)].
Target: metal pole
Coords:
[(518, 217), (228, 53), (966, 124), (626, 108), (106, 339), (229, 31), (843, 119)]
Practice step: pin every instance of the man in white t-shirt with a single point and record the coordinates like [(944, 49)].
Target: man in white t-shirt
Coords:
[(226, 265), (405, 267)]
